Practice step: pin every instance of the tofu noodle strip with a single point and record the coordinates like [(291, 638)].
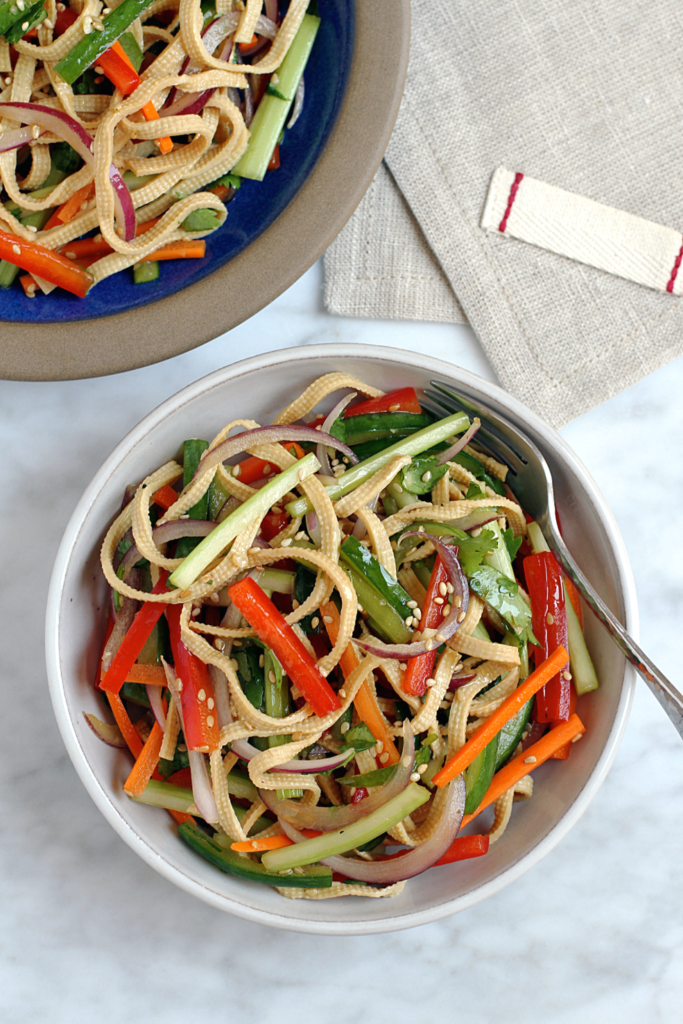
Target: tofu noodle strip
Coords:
[(348, 579)]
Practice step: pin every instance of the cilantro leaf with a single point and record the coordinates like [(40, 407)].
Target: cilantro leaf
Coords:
[(360, 738), (475, 492), (512, 543)]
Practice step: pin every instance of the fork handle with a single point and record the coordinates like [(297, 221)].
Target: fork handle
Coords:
[(664, 690)]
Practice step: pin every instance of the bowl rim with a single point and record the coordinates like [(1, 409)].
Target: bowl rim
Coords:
[(271, 263), (411, 918)]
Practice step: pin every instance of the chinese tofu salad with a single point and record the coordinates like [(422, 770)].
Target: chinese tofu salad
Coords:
[(127, 129), (334, 642)]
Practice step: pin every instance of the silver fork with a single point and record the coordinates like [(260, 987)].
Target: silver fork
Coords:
[(531, 482)]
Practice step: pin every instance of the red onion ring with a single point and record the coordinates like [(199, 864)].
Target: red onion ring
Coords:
[(458, 681), (154, 696), (246, 752), (167, 532), (313, 527), (449, 626), (109, 734), (267, 435), (327, 819), (321, 449), (459, 444), (124, 618), (16, 138), (398, 867), (69, 129), (298, 103)]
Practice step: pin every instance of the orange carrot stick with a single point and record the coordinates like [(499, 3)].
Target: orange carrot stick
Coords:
[(492, 725), (523, 764), (270, 842), (192, 249), (364, 702), (145, 764), (147, 675), (125, 725), (150, 113)]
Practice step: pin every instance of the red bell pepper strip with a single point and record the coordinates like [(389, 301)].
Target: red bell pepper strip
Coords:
[(252, 468), (64, 20), (419, 669), (200, 724), (134, 640), (270, 626), (274, 161), (403, 400), (274, 523), (359, 795), (463, 848), (165, 497), (549, 622), (118, 69), (45, 263)]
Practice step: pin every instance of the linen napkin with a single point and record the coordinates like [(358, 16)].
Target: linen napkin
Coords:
[(582, 97)]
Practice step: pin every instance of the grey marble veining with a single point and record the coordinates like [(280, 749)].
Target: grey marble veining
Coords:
[(89, 933)]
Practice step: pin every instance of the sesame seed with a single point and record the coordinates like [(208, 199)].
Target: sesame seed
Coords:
[(327, 618), (398, 488), (25, 26), (335, 462), (237, 643), (16, 249), (414, 777), (99, 71), (440, 638), (31, 227), (31, 291), (342, 693), (426, 477), (577, 737), (179, 684), (530, 760), (21, 5), (315, 622), (420, 529), (344, 728), (253, 551), (410, 621), (210, 720), (360, 608), (443, 589), (446, 611), (295, 603), (379, 747), (384, 758), (438, 600), (219, 644), (422, 769), (261, 661), (8, 80), (301, 474), (477, 532), (550, 619), (431, 682), (70, 255), (412, 604), (395, 407), (286, 542), (233, 663), (417, 614), (236, 470), (210, 703), (182, 748), (458, 667), (271, 677), (567, 676), (215, 598), (301, 535), (201, 695), (429, 644), (457, 601), (461, 617), (449, 587)]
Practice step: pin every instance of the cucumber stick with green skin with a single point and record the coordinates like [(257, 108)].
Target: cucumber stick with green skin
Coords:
[(178, 798), (254, 507), (583, 671), (11, 14), (415, 444), (192, 454), (86, 51), (33, 16), (145, 272), (317, 876), (276, 693), (360, 558), (351, 836), (380, 425), (269, 119), (478, 775), (382, 616)]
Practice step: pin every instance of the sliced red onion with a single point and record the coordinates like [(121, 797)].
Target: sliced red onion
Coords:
[(121, 626), (298, 103), (202, 792), (313, 527), (267, 435), (396, 868), (459, 444), (220, 692), (404, 652), (16, 138), (154, 695), (246, 752), (167, 532), (271, 10), (68, 128), (326, 819), (321, 449), (109, 734), (458, 681)]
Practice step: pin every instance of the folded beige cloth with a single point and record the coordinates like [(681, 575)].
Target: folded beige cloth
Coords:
[(582, 96)]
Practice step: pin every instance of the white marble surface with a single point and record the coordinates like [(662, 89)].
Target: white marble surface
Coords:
[(89, 933)]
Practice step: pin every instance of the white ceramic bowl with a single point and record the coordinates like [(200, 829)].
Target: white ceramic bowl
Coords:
[(259, 388)]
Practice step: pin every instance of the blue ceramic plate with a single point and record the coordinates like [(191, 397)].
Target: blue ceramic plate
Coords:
[(255, 207)]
